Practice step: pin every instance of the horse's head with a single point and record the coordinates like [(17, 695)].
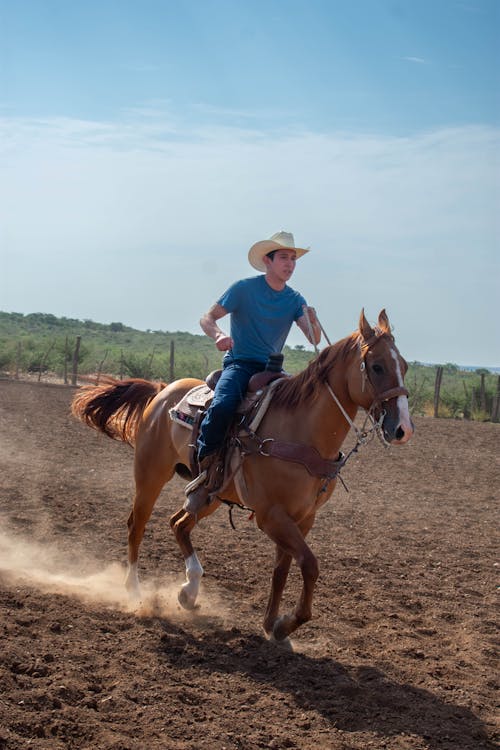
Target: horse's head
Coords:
[(376, 383)]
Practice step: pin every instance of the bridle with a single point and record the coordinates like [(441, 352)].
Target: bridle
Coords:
[(379, 398), (365, 346)]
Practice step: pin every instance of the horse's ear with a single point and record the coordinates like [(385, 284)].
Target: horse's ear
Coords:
[(383, 322), (365, 328)]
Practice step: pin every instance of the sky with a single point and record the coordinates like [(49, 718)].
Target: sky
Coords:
[(145, 146)]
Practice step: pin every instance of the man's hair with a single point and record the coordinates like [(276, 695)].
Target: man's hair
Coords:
[(271, 254)]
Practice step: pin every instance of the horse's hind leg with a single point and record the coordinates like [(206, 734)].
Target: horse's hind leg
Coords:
[(146, 494), (182, 524)]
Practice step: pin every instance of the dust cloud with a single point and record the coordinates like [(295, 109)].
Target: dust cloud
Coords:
[(48, 569)]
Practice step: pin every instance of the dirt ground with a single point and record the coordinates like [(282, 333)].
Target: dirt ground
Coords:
[(400, 653)]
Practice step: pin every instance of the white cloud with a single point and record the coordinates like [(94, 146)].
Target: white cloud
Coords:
[(147, 222), (417, 60)]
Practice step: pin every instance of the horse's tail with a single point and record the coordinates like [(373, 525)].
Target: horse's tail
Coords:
[(115, 407)]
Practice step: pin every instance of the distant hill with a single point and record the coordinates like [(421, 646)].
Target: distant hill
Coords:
[(42, 343), (473, 368), (464, 368), (43, 340)]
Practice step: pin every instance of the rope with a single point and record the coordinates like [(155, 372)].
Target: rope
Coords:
[(310, 328), (323, 332)]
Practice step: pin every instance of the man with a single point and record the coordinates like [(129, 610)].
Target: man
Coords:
[(262, 310)]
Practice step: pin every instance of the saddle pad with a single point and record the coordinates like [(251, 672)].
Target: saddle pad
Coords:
[(185, 411)]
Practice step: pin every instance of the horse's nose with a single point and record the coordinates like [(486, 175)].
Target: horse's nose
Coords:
[(403, 432)]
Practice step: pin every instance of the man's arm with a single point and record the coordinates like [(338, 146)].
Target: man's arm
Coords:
[(313, 335), (208, 323)]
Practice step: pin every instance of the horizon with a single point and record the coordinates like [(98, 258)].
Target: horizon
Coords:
[(145, 147)]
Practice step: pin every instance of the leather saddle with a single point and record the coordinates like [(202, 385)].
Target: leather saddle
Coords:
[(189, 412), (200, 397)]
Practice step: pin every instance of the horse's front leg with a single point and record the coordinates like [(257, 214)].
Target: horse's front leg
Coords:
[(290, 538), (182, 524), (278, 583)]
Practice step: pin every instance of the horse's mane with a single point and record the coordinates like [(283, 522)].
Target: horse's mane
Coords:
[(303, 387)]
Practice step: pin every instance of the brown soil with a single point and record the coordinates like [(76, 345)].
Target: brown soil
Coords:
[(399, 655)]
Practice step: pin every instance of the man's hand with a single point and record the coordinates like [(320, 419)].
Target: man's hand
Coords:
[(208, 323), (224, 343), (309, 325)]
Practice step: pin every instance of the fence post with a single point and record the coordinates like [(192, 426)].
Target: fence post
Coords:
[(482, 393), (437, 389), (74, 374)]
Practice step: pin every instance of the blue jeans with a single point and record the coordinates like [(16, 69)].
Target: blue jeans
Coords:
[(228, 393)]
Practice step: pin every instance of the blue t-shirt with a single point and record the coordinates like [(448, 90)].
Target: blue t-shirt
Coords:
[(261, 317)]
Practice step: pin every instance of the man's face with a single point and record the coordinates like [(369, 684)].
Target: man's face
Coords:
[(282, 265)]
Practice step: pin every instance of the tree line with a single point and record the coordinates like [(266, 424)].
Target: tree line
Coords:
[(41, 343)]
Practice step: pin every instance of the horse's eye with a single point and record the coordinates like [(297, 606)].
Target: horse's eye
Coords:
[(378, 369)]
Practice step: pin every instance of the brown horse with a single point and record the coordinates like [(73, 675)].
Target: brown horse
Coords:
[(287, 467)]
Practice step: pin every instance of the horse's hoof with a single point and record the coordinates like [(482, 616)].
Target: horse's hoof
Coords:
[(283, 643), (134, 594), (186, 601), (132, 584), (281, 629), (277, 636)]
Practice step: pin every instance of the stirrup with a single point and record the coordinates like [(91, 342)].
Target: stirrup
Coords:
[(195, 483), (194, 504)]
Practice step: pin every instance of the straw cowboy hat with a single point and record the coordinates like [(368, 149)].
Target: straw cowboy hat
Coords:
[(278, 241)]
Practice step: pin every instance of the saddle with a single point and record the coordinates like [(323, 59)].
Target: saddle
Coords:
[(190, 410)]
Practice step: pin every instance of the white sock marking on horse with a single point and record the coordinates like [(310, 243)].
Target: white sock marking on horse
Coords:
[(194, 569), (132, 581), (194, 573)]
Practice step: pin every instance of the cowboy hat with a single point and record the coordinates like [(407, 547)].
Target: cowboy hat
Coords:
[(279, 241)]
